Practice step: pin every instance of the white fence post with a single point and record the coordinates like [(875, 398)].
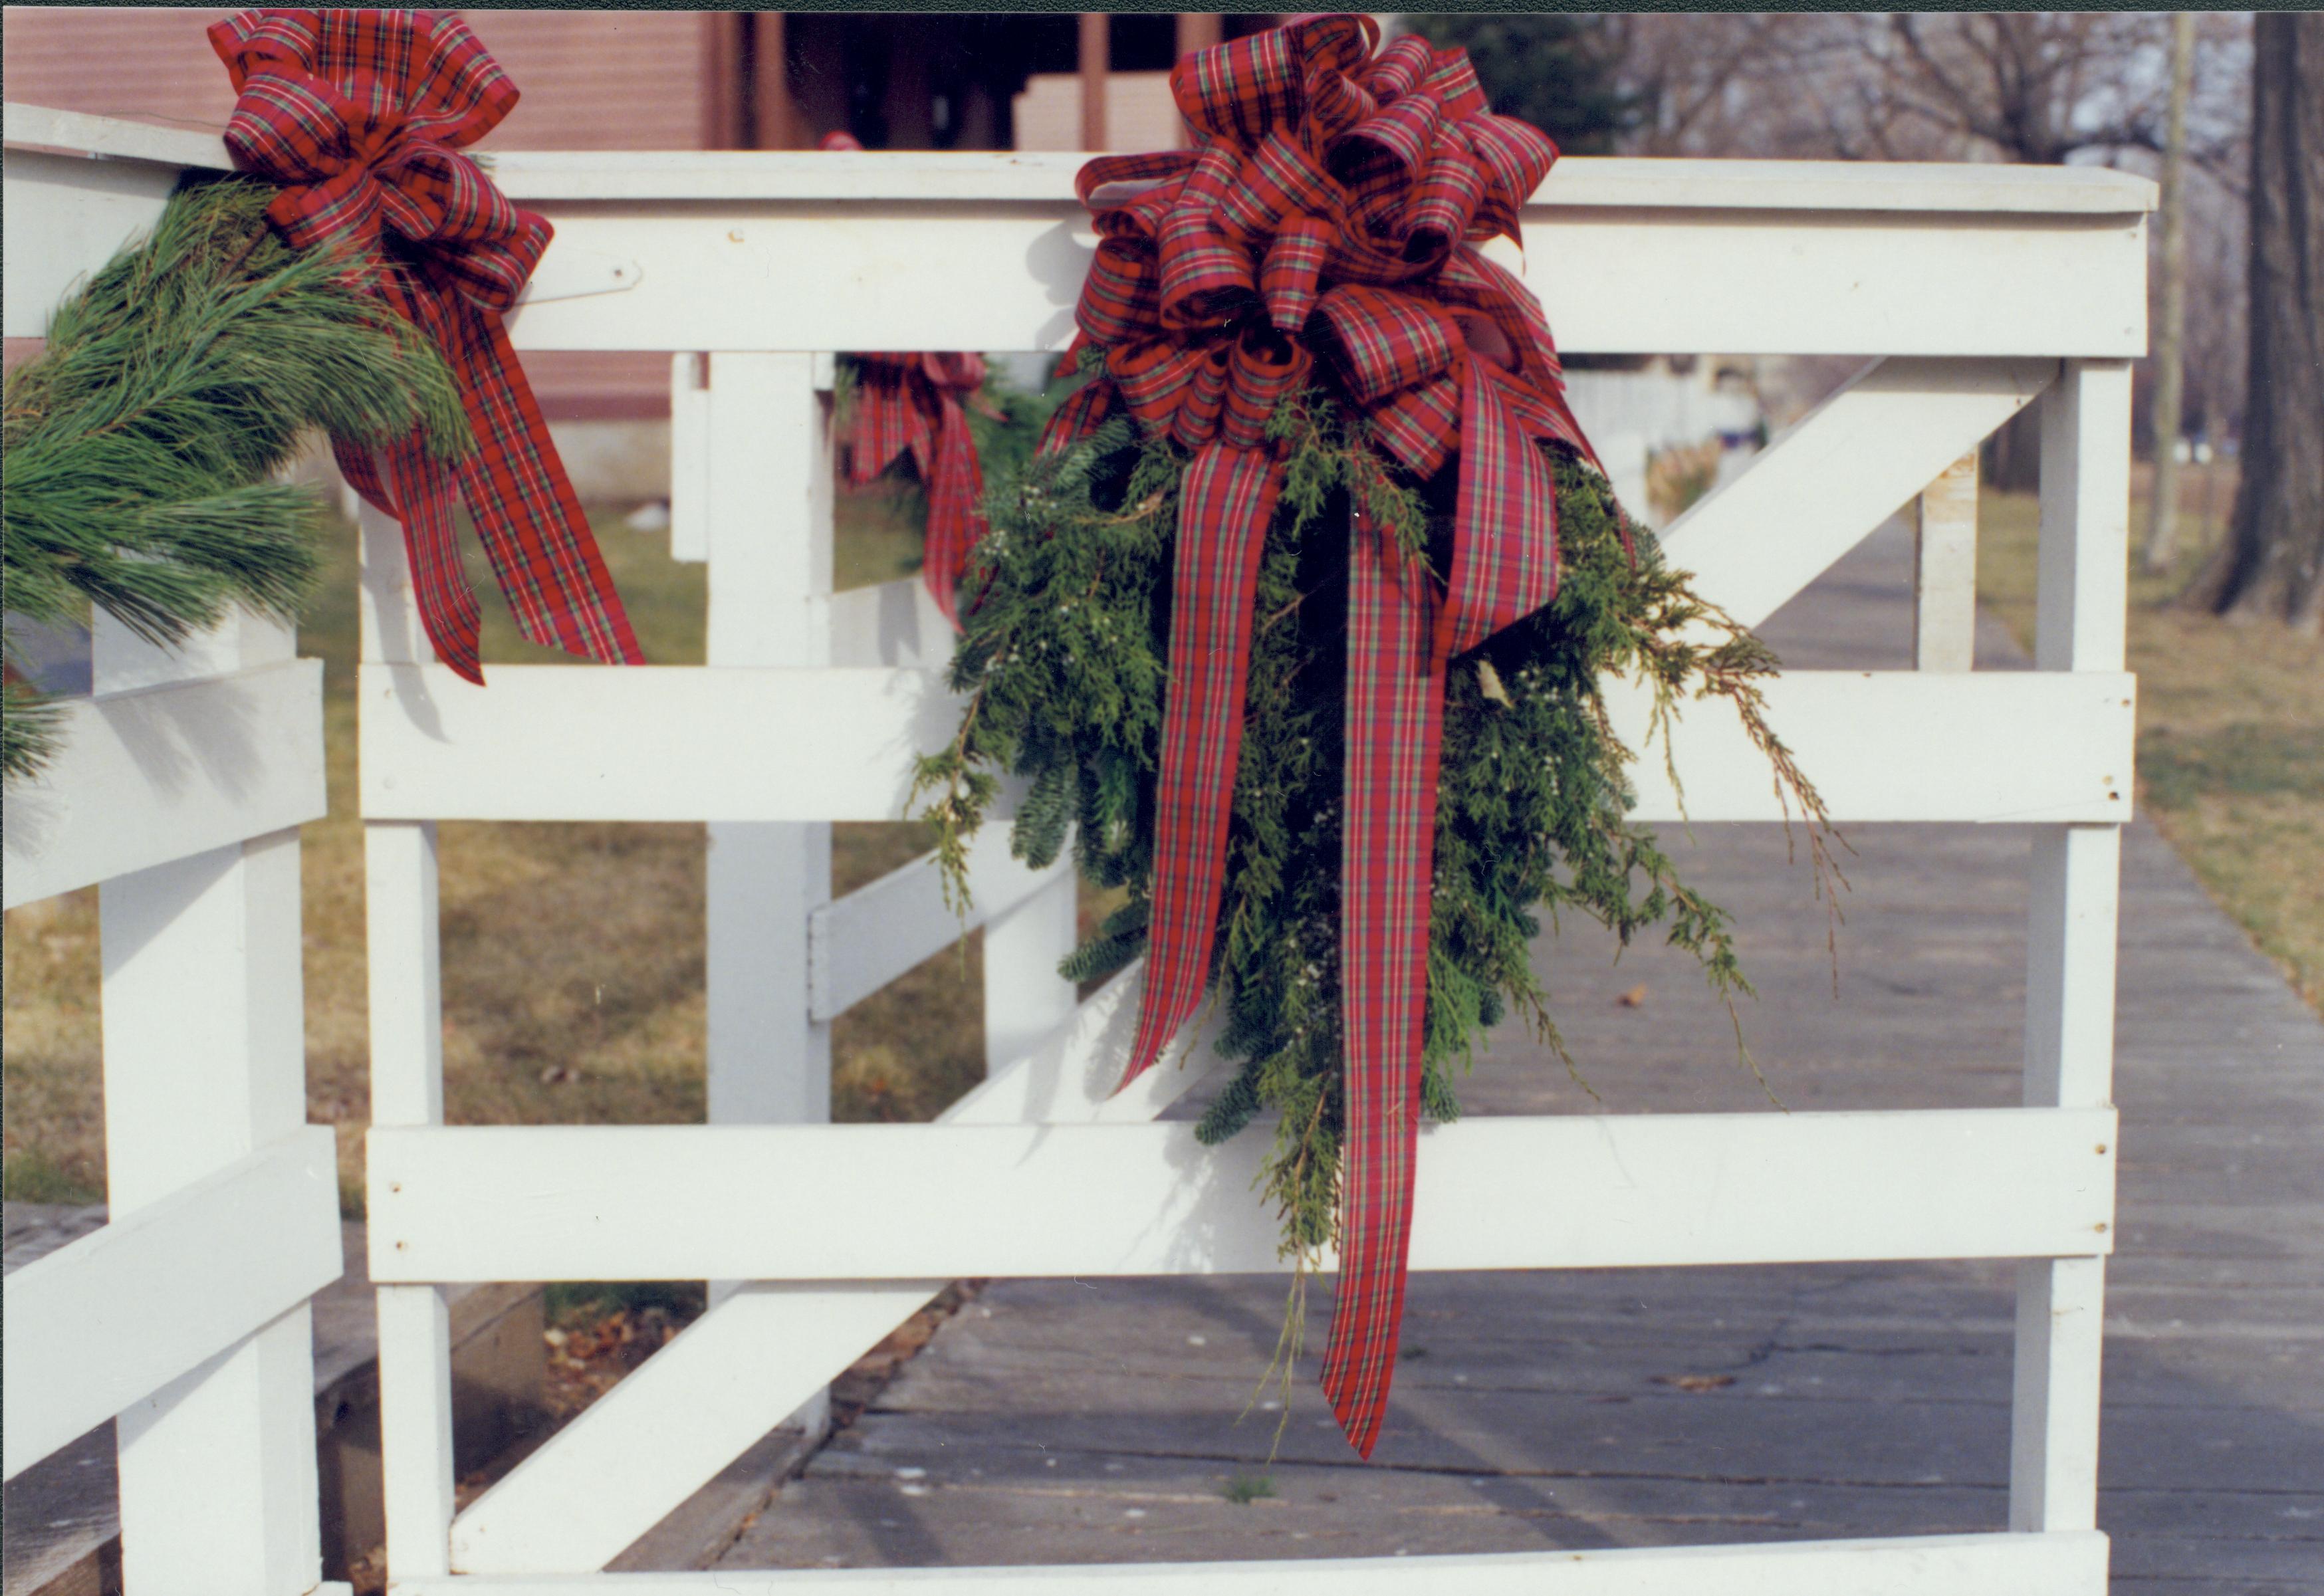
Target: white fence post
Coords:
[(205, 1063), (770, 543), (2070, 958), (1025, 998), (1944, 571), (689, 458), (402, 927)]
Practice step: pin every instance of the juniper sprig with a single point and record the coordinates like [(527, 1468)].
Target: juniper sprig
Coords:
[(1063, 664)]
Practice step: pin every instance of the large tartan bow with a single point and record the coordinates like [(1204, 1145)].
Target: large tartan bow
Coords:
[(912, 402), (361, 117), (1332, 210)]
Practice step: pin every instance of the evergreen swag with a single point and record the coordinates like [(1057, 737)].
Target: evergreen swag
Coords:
[(1063, 663), (144, 442)]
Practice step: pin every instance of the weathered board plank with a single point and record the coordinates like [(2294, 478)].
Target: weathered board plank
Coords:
[(801, 745)]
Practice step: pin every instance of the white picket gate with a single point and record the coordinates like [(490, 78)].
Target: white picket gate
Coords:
[(1972, 291)]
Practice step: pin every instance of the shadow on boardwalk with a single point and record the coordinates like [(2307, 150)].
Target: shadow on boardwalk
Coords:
[(1059, 1421)]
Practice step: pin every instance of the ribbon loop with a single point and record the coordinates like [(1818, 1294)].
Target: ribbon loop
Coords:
[(1122, 296), (1242, 90), (1154, 378), (1279, 180), (361, 117), (1517, 155), (1382, 340), (1197, 420), (1403, 132), (1399, 68), (1292, 271), (1444, 201), (1267, 369), (1206, 275)]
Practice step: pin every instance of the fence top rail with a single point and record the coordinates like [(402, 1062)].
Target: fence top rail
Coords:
[(1004, 176)]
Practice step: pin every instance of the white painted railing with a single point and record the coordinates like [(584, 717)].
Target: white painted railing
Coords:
[(1971, 291), (178, 793)]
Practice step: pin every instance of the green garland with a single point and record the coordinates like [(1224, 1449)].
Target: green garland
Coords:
[(144, 442), (1063, 663)]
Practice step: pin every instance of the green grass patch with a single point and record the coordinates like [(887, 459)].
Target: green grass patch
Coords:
[(1246, 1489), (2230, 728), (32, 1174), (2243, 760), (573, 954)]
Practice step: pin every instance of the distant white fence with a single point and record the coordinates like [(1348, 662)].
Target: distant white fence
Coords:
[(1972, 291), (178, 793), (1666, 410)]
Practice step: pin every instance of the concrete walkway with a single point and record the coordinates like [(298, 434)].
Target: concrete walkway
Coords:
[(1064, 1421)]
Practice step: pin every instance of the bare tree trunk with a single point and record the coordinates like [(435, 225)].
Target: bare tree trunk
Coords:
[(2170, 338), (2270, 564)]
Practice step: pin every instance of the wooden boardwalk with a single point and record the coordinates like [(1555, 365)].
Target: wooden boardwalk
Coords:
[(1071, 1421)]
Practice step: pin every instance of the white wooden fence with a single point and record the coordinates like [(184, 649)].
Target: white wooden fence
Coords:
[(1972, 291), (179, 792)]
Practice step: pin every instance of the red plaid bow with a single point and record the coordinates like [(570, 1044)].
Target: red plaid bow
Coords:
[(913, 402), (1330, 211), (361, 115)]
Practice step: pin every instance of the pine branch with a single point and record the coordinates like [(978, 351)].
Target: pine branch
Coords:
[(144, 442)]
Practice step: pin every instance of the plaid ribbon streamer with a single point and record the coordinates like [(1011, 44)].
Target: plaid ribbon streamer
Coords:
[(911, 403), (1331, 213), (361, 115)]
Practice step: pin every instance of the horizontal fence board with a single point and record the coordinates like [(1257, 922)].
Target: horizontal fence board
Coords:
[(624, 1456), (695, 251), (2064, 1564), (161, 773), (694, 743), (1004, 274), (81, 135), (540, 743), (1578, 181), (860, 943), (915, 1201), (101, 1323), (1988, 747)]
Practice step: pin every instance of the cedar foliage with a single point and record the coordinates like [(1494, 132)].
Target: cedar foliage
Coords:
[(1063, 659), (144, 442)]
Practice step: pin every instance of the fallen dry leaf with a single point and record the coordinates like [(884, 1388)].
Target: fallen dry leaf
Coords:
[(1695, 1382)]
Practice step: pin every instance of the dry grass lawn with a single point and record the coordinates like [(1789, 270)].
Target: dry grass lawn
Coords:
[(2230, 728), (572, 954)]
